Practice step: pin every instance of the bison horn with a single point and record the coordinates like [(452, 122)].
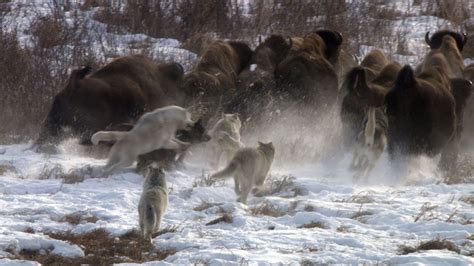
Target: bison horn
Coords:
[(290, 42), (259, 39), (464, 35), (427, 38), (180, 67)]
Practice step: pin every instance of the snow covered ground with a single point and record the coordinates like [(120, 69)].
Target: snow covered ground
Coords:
[(348, 223)]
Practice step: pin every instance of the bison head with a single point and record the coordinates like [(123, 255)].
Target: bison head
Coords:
[(61, 112), (436, 39)]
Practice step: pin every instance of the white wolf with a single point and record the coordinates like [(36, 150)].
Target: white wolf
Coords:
[(153, 202), (225, 138), (370, 143), (249, 167), (154, 130)]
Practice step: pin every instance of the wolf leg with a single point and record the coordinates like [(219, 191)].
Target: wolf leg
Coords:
[(236, 187), (245, 190)]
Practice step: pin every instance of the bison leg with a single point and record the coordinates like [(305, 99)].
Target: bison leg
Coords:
[(448, 160)]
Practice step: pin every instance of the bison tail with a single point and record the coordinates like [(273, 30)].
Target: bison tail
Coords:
[(354, 78), (406, 76), (107, 136)]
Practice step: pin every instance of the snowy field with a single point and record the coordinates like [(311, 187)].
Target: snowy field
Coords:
[(317, 214)]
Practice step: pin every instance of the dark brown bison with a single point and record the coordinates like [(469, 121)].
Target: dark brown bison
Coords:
[(424, 114), (448, 44), (365, 87), (119, 92), (214, 79), (256, 83), (307, 76)]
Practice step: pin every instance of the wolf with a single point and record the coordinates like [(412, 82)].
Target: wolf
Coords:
[(167, 158), (225, 138), (370, 143), (249, 167), (154, 130), (153, 202)]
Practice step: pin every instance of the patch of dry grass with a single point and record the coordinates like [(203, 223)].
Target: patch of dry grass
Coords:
[(277, 185), (426, 211), (100, 248), (205, 180), (361, 198), (267, 209), (76, 218), (360, 213), (435, 244), (51, 172), (314, 224)]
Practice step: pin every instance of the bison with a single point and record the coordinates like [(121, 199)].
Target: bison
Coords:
[(213, 81), (365, 87), (256, 83), (449, 45), (307, 76), (424, 114), (119, 92)]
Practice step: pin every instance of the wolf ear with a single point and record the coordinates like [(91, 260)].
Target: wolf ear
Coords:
[(260, 143)]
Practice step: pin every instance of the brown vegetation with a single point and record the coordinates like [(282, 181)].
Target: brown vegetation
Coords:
[(437, 244), (100, 248)]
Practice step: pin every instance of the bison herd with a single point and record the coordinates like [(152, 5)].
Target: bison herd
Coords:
[(421, 109)]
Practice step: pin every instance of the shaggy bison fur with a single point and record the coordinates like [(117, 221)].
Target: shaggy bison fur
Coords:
[(425, 114), (119, 92)]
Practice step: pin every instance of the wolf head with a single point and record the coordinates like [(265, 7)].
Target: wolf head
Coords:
[(155, 177), (233, 119), (196, 134), (267, 148)]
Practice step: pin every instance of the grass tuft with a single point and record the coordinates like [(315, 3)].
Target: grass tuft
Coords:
[(267, 209), (435, 244), (76, 218), (100, 248), (314, 224)]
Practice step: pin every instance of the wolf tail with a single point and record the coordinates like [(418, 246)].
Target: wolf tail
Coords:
[(228, 171), (107, 136), (149, 224)]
